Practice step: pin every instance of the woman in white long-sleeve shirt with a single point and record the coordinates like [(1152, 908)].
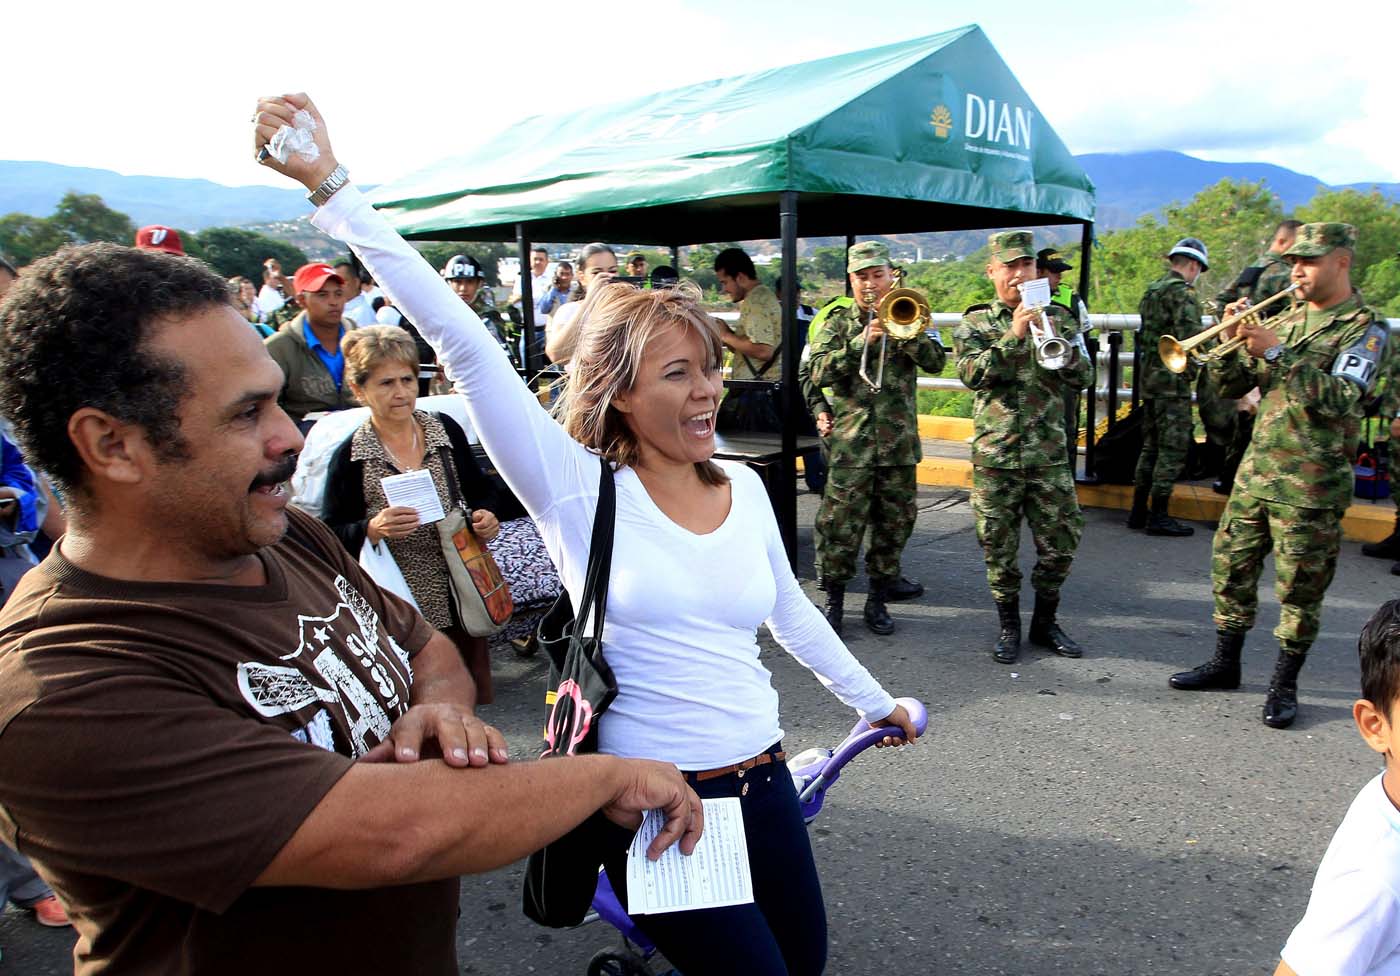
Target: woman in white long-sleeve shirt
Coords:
[(697, 564)]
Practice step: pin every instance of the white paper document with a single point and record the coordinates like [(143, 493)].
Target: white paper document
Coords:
[(715, 875), (415, 490), (1036, 292)]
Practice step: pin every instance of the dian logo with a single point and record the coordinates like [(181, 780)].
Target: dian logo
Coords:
[(942, 121)]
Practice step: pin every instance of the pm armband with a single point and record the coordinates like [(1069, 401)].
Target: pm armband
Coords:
[(1361, 362)]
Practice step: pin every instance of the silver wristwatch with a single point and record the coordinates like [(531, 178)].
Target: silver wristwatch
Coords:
[(1272, 354), (338, 177)]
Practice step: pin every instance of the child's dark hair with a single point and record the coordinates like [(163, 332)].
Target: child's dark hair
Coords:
[(1379, 647)]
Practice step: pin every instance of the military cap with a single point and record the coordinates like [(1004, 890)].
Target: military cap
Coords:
[(632, 256), (1049, 259), (866, 254), (1315, 240), (1011, 245)]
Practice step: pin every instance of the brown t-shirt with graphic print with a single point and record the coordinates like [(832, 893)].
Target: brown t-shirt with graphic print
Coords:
[(161, 742)]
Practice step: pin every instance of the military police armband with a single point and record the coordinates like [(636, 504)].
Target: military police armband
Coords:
[(1361, 362)]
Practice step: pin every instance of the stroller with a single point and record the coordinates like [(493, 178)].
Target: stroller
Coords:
[(813, 773)]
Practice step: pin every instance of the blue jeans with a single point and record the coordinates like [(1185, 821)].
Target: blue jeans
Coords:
[(18, 882), (783, 933)]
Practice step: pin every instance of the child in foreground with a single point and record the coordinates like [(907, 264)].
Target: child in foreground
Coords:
[(1352, 925)]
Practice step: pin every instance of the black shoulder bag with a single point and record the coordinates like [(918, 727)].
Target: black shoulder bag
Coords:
[(753, 410), (561, 878)]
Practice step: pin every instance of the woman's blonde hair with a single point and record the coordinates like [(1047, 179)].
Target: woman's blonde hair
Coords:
[(616, 324), (370, 347)]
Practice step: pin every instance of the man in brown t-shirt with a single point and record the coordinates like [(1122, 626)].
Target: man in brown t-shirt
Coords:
[(225, 748)]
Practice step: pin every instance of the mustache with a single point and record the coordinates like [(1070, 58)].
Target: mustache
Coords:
[(282, 472)]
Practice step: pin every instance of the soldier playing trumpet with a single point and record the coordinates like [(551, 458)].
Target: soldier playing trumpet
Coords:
[(1020, 467), (874, 440), (1316, 366)]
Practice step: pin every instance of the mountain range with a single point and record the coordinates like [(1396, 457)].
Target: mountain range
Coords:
[(1129, 185)]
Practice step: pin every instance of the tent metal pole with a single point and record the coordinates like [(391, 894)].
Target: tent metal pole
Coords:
[(676, 257), (532, 362), (792, 399), (850, 243)]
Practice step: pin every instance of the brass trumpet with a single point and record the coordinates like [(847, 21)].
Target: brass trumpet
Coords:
[(903, 314), (1178, 354)]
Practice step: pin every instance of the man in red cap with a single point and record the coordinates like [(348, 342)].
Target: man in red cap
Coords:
[(157, 237), (308, 346)]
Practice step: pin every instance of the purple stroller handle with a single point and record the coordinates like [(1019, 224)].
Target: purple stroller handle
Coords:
[(862, 736)]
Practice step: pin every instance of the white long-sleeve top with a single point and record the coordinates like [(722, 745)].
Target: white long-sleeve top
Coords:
[(683, 609)]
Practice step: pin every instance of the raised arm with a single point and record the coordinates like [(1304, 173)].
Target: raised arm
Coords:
[(530, 450)]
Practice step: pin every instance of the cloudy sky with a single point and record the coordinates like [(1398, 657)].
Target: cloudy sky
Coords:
[(166, 88)]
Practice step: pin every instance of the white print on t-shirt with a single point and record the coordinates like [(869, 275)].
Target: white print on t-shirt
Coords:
[(349, 633)]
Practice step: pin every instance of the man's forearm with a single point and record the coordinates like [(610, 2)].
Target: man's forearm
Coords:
[(439, 676), (401, 823)]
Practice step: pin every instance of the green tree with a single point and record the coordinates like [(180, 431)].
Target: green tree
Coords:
[(829, 262), (24, 239), (234, 251), (1375, 217), (84, 218), (1381, 286)]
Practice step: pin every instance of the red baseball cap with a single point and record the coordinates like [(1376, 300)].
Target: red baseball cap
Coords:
[(313, 277), (159, 238)]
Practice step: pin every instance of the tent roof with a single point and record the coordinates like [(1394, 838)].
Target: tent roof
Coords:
[(928, 134)]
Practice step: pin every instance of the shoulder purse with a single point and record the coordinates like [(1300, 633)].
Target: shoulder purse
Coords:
[(480, 595), (561, 878)]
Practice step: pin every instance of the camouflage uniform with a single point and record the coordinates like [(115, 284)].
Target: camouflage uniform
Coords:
[(1168, 308), (1296, 477), (1019, 462), (1220, 416), (874, 444)]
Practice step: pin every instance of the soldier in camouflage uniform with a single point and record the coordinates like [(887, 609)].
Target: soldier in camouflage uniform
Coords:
[(1317, 366), (1389, 413), (1169, 308), (464, 273), (1226, 426), (874, 442), (1020, 468)]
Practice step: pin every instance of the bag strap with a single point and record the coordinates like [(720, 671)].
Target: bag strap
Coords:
[(600, 547), (758, 373)]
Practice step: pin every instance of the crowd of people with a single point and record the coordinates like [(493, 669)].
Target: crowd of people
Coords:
[(192, 620)]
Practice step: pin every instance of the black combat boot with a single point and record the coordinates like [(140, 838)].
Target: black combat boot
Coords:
[(1137, 518), (877, 617), (1221, 671), (1046, 632), (1008, 647), (835, 607), (1160, 523), (1281, 705), (903, 588), (1387, 548)]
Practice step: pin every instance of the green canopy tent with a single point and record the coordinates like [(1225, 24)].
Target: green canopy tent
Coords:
[(932, 134)]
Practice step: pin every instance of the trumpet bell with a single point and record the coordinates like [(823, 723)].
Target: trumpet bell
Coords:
[(1175, 356), (904, 313), (1052, 353)]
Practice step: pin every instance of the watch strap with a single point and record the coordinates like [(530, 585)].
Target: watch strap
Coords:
[(338, 178)]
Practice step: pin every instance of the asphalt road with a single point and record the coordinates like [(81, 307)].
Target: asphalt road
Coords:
[(1060, 816)]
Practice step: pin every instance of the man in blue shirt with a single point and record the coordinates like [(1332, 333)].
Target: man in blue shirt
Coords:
[(308, 347)]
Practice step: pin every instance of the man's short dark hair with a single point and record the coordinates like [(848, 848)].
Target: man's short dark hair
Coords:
[(352, 275), (540, 250), (1290, 224), (75, 333), (1379, 648), (733, 261)]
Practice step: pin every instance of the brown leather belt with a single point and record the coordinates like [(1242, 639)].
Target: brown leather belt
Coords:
[(762, 759)]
